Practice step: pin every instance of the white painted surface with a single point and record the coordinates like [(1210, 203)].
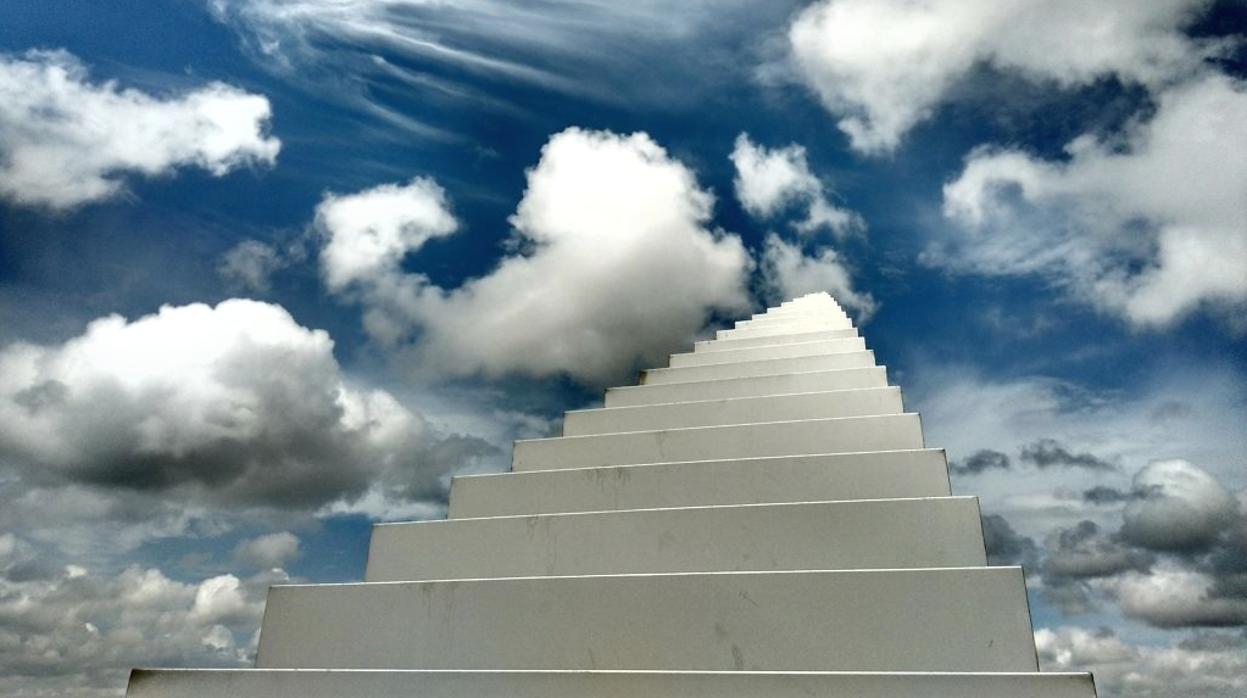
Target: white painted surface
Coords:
[(793, 327), (807, 382), (839, 435), (768, 408), (864, 534), (773, 340), (880, 474), (764, 367), (972, 619), (362, 683), (782, 351), (769, 322)]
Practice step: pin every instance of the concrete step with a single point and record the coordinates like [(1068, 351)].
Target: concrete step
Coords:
[(838, 435), (875, 475), (780, 351), (711, 345), (754, 386), (762, 367), (365, 683), (767, 322), (863, 534), (769, 408), (784, 328), (959, 619)]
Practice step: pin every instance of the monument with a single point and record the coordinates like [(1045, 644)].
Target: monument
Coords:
[(759, 519)]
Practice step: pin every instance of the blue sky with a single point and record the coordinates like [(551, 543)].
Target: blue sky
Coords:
[(455, 220)]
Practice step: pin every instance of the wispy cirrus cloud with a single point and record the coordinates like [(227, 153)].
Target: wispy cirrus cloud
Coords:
[(451, 52)]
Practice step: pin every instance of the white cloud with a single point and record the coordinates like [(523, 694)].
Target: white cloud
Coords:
[(771, 180), (617, 265), (65, 141), (1210, 669), (1150, 226), (77, 631), (269, 550), (232, 406), (370, 232), (882, 66), (1172, 597), (787, 273)]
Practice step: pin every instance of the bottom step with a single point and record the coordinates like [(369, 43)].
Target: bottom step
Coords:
[(318, 683)]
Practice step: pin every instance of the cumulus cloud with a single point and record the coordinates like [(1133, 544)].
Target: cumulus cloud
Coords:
[(616, 264), (884, 66), (787, 272), (1175, 597), (230, 406), (268, 551), (1215, 667), (769, 181), (1085, 551), (370, 232), (1148, 226), (79, 630), (67, 141), (1178, 506)]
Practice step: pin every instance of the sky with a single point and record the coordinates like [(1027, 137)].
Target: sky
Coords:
[(274, 270)]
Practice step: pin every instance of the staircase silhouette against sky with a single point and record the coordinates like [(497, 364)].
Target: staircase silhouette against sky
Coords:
[(760, 519)]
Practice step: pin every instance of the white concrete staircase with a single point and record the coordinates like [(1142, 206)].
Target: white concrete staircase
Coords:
[(760, 518)]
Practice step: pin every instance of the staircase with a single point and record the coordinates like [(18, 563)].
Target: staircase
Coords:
[(760, 519)]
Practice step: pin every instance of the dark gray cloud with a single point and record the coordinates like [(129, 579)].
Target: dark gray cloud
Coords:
[(233, 407), (1101, 494), (1084, 551), (980, 461), (1006, 546), (1073, 556), (1215, 641), (1048, 453), (1178, 507)]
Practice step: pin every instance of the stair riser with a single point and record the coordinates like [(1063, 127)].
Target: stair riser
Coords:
[(876, 534), (713, 345), (784, 351), (847, 435), (894, 620), (769, 367), (755, 386), (794, 327), (768, 322), (922, 473), (275, 683), (778, 408)]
